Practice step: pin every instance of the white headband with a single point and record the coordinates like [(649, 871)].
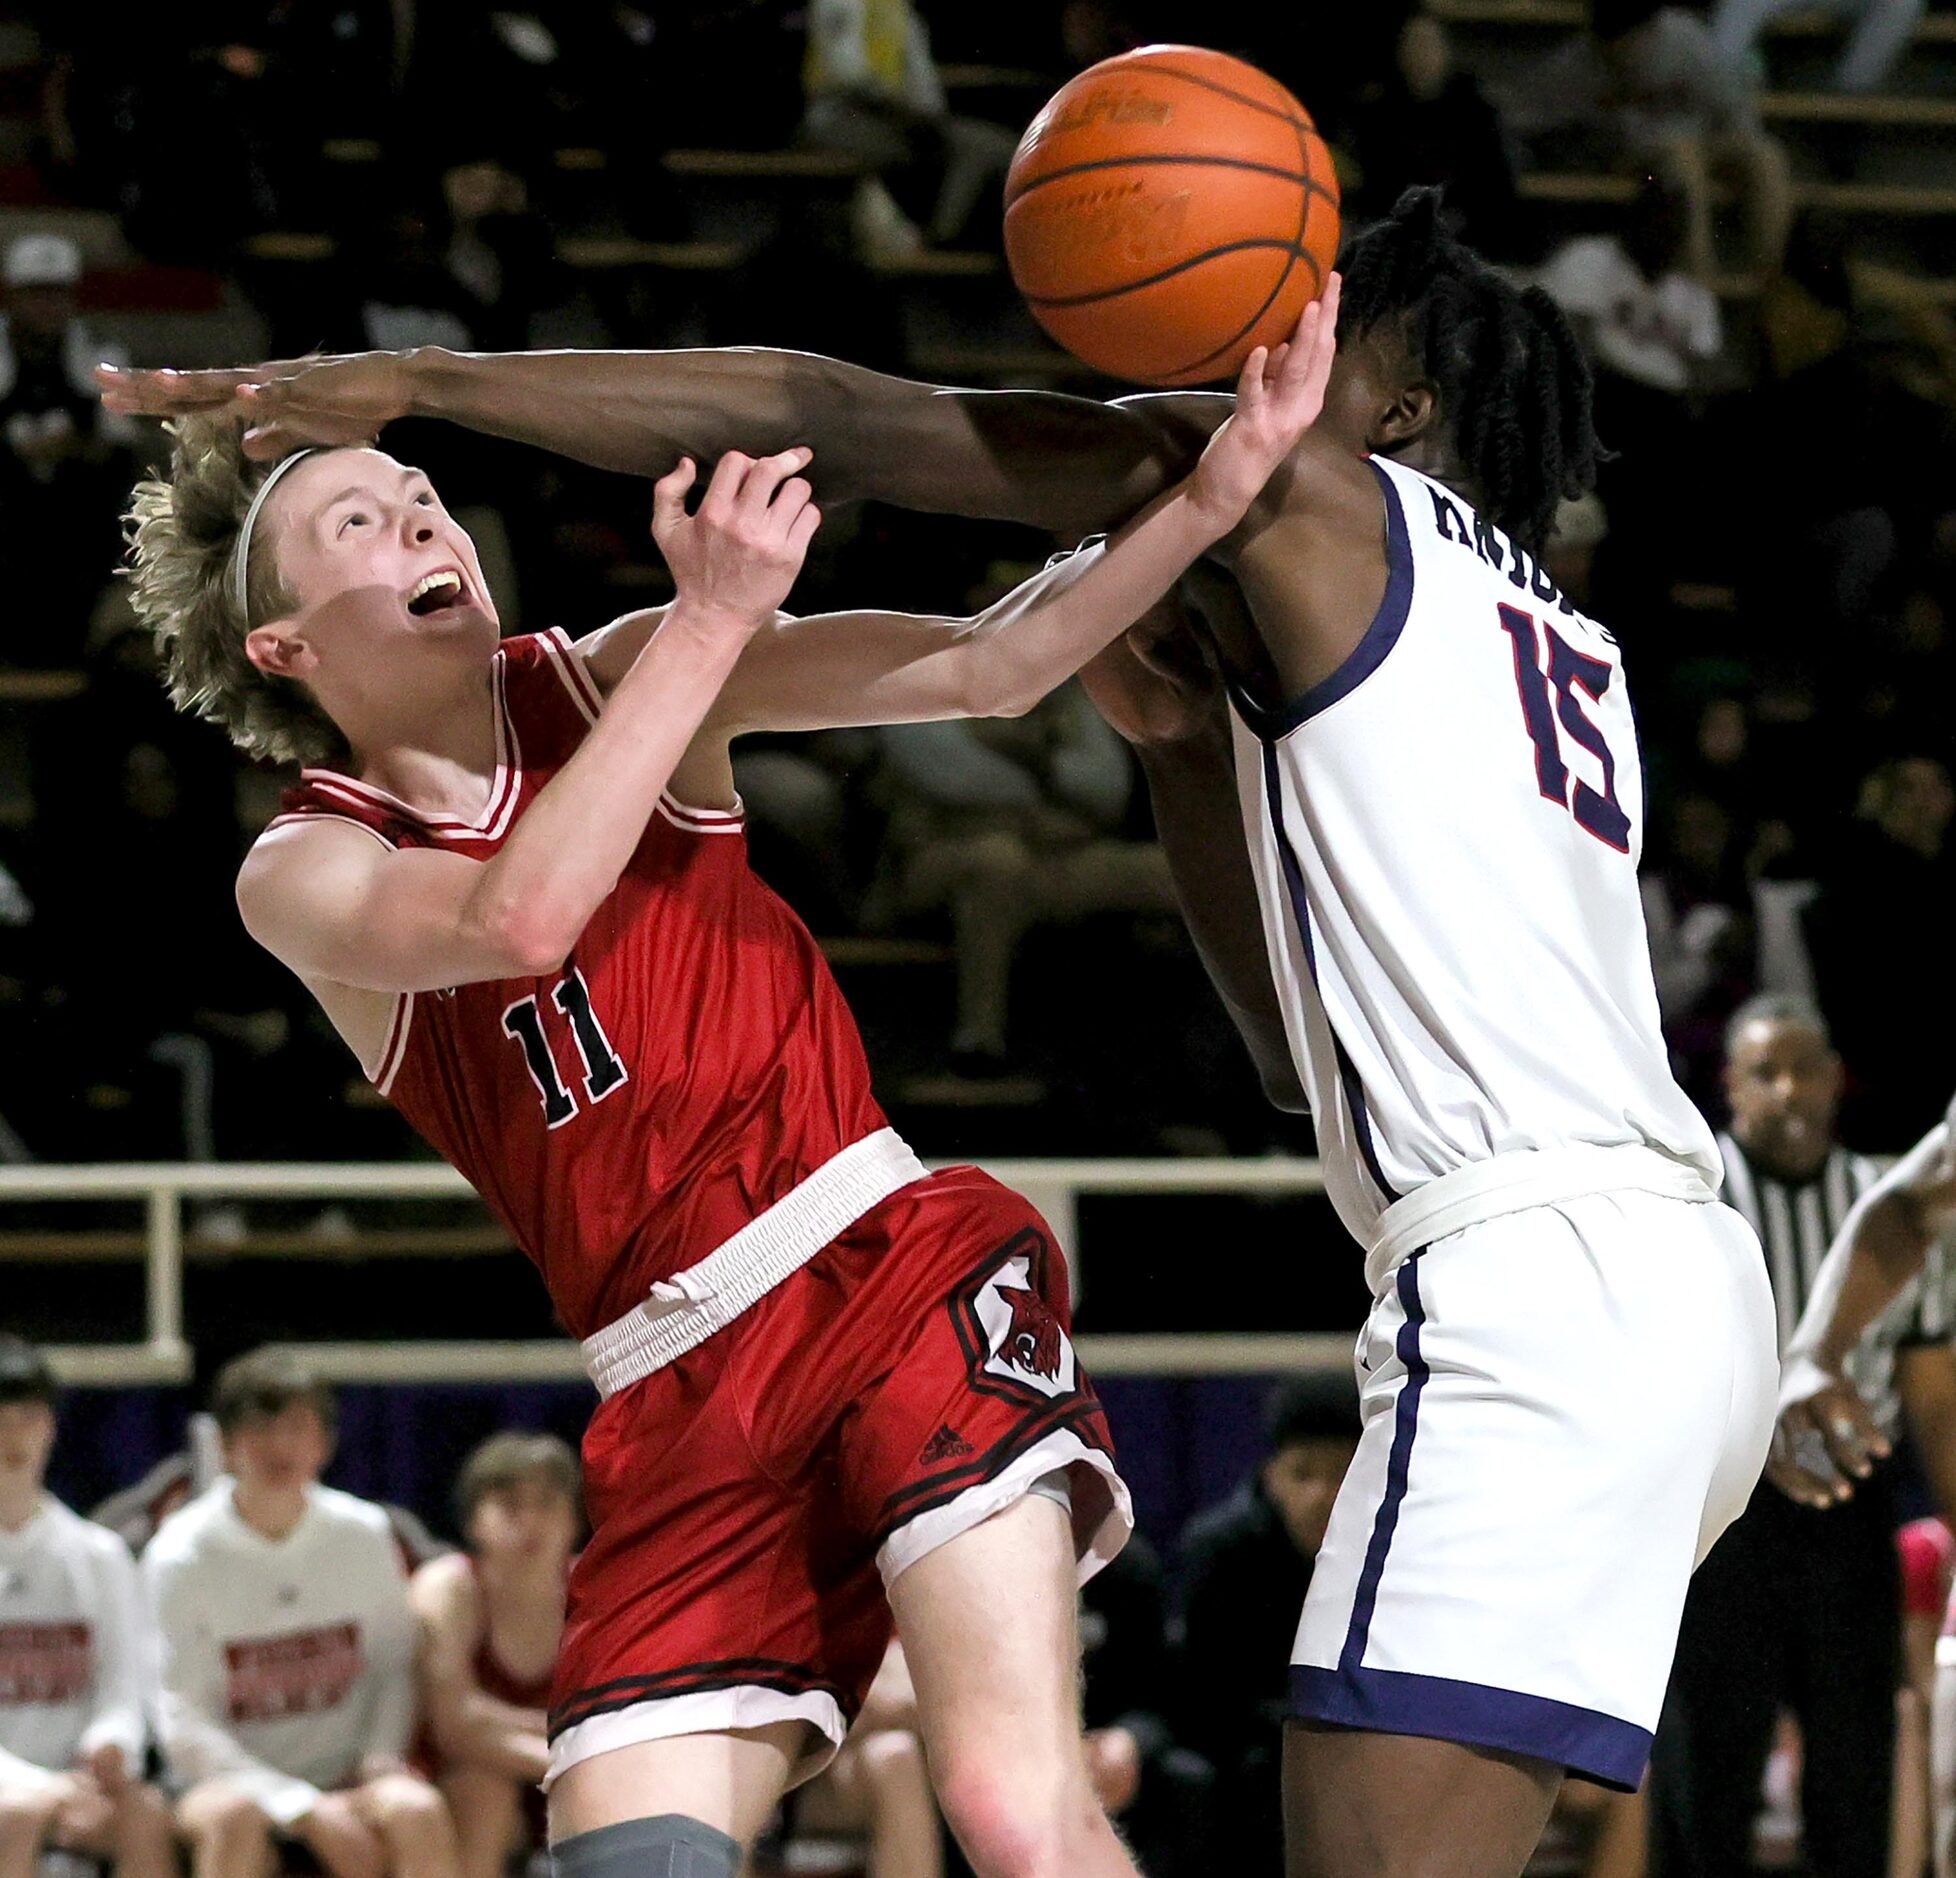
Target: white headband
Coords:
[(241, 554)]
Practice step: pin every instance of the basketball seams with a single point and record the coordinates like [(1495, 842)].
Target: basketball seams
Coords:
[(1066, 303), (1108, 223), (1293, 119), (1145, 158)]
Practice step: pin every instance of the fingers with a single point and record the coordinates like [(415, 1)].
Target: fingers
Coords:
[(1853, 1441), (1250, 380), (1801, 1465), (767, 479), (802, 530), (166, 393), (669, 497)]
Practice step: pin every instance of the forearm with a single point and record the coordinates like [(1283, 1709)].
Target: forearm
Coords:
[(1044, 632), (1066, 464), (567, 851), (1880, 1250), (482, 1732)]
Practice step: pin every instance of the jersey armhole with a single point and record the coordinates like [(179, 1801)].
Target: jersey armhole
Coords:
[(562, 653), (1378, 639)]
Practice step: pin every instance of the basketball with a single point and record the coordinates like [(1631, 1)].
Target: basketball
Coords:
[(1168, 211)]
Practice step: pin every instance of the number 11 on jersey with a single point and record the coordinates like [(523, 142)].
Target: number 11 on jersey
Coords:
[(603, 1072)]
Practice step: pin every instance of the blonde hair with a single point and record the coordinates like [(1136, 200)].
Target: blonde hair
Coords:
[(182, 532)]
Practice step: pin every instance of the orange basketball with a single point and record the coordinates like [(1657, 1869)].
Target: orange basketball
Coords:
[(1169, 210)]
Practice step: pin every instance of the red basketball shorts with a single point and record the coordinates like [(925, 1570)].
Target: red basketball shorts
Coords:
[(751, 1501)]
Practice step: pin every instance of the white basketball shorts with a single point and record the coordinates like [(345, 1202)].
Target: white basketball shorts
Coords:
[(1563, 1408)]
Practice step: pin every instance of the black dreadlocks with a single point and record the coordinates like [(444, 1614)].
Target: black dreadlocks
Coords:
[(1511, 376)]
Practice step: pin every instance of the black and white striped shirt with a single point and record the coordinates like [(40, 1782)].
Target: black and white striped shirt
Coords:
[(1797, 1221)]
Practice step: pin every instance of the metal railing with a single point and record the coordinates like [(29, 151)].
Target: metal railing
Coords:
[(164, 1356)]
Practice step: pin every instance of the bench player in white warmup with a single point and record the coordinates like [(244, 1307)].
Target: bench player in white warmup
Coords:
[(1397, 777)]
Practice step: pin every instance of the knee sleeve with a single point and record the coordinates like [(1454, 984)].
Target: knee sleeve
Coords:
[(671, 1846)]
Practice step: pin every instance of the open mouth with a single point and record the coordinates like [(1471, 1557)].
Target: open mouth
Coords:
[(434, 593)]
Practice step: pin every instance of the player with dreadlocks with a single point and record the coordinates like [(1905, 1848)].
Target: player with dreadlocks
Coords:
[(1397, 777)]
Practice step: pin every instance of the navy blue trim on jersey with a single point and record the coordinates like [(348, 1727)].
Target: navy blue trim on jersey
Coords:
[(1602, 1748), (1348, 1078), (1398, 1467), (1369, 654)]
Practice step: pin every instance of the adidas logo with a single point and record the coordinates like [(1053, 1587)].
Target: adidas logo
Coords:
[(946, 1445)]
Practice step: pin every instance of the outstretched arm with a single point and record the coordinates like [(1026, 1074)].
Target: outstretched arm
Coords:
[(885, 668), (1826, 1436), (1070, 465)]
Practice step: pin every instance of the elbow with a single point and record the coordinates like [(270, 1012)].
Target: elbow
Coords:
[(530, 942)]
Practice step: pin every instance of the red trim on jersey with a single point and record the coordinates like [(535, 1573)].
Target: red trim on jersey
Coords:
[(573, 671), (503, 792)]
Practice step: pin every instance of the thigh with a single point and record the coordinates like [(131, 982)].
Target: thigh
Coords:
[(724, 1589), (990, 1629), (1561, 1407), (731, 1782), (1366, 1805), (975, 1391)]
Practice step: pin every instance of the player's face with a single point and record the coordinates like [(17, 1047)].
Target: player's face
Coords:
[(529, 1522), (1302, 1479), (1783, 1082), (277, 1453), (26, 1440), (376, 564)]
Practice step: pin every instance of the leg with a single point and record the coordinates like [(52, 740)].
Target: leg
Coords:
[(1735, 26), (1848, 1622), (1765, 178), (730, 1782), (988, 1622), (412, 1822), (1362, 1805), (1685, 166), (228, 1835), (900, 1812), (141, 1839), (488, 1814), (1728, 1681), (24, 1821)]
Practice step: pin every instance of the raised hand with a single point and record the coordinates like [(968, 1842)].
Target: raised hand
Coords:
[(287, 403), (1824, 1444), (1278, 397), (741, 553)]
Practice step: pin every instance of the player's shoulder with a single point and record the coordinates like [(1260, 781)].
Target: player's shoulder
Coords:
[(188, 1531), (86, 1536), (347, 1510)]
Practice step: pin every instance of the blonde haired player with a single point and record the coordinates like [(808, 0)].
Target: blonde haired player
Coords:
[(512, 874)]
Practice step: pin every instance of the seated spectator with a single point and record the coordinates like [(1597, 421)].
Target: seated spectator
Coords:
[(1430, 123), (1162, 1794), (1879, 963), (1012, 823), (1643, 87), (288, 1653), (1882, 31), (873, 92), (65, 463), (877, 1788), (490, 1620), (73, 1666), (1703, 939), (1246, 1566)]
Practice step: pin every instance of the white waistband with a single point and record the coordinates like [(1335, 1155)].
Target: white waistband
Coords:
[(685, 1310), (1511, 1182)]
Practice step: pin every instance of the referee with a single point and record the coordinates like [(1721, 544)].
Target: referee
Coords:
[(1795, 1608)]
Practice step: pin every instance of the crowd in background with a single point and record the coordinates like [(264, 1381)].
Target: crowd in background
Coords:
[(232, 1657), (1770, 539)]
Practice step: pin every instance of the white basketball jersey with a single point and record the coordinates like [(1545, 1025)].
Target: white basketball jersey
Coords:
[(1445, 835)]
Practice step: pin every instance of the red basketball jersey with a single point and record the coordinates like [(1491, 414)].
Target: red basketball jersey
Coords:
[(691, 1062)]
